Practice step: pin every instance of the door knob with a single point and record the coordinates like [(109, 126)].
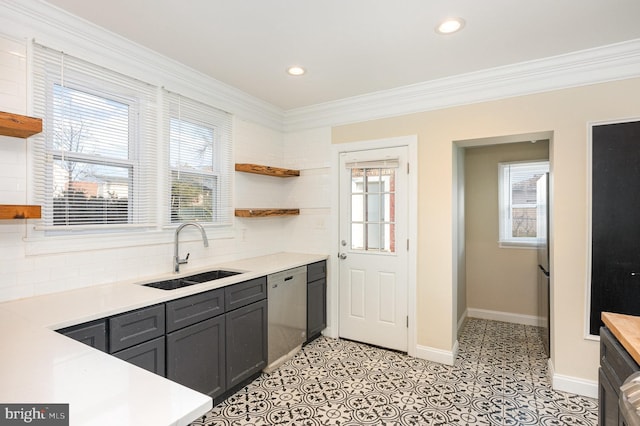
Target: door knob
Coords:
[(342, 256)]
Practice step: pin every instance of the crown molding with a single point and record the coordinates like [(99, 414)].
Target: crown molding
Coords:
[(55, 28), (37, 19), (598, 65)]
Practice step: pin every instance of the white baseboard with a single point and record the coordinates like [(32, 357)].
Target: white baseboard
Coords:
[(437, 355), (573, 385), (330, 332), (461, 320), (504, 316)]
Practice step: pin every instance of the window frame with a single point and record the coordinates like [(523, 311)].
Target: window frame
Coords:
[(91, 87), (506, 206), (220, 123)]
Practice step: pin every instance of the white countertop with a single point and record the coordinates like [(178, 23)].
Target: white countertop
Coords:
[(39, 365)]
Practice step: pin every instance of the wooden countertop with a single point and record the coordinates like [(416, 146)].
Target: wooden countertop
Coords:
[(626, 328)]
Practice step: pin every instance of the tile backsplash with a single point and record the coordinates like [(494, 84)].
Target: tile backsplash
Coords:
[(24, 275)]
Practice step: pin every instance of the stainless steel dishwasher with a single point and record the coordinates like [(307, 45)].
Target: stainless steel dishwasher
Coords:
[(287, 313)]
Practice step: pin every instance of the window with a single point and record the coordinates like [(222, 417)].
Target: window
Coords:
[(373, 199), (117, 154), (98, 126), (199, 162), (518, 200)]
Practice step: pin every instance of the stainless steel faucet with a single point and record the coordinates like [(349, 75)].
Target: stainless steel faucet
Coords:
[(176, 256)]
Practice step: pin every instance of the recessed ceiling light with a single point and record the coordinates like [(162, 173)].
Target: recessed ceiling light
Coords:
[(450, 26), (296, 70)]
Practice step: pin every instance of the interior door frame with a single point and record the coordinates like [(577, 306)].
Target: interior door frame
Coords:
[(411, 142)]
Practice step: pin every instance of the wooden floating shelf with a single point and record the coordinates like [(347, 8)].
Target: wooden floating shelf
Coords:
[(266, 212), (19, 126), (8, 211), (266, 170)]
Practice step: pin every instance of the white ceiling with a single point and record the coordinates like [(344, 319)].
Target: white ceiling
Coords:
[(354, 47)]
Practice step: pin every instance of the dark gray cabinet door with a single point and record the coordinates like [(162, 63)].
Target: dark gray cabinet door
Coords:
[(607, 402), (196, 356), (615, 366), (148, 355), (241, 294), (316, 299), (132, 328), (317, 270), (93, 334), (316, 308), (246, 342), (192, 309)]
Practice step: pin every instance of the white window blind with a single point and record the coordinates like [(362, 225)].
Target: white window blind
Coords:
[(94, 162), (518, 201), (200, 161)]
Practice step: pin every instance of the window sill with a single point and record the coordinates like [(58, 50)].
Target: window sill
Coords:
[(42, 245), (527, 245)]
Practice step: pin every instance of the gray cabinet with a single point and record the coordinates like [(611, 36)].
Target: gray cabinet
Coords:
[(212, 342), (148, 355), (132, 328), (196, 356), (615, 366), (246, 342), (92, 333), (138, 337), (217, 340), (316, 299), (193, 309), (241, 294)]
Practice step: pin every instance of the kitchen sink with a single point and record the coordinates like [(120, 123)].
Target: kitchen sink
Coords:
[(210, 276), (170, 284), (192, 279)]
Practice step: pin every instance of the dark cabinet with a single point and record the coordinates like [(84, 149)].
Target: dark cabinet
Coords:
[(607, 401), (246, 342), (218, 339), (213, 342), (138, 337), (196, 356), (316, 299), (148, 355), (193, 309), (92, 333), (615, 366), (132, 328), (241, 294)]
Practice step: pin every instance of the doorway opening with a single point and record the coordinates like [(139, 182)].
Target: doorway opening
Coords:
[(496, 281)]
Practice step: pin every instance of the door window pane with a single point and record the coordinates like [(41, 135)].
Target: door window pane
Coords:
[(372, 209)]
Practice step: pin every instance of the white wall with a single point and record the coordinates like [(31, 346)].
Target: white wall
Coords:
[(23, 274), (307, 151)]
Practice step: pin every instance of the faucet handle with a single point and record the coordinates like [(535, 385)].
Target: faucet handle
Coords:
[(179, 261)]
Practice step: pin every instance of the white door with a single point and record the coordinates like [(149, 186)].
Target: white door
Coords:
[(373, 247)]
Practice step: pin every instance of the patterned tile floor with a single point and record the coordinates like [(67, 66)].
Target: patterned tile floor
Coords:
[(499, 378)]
